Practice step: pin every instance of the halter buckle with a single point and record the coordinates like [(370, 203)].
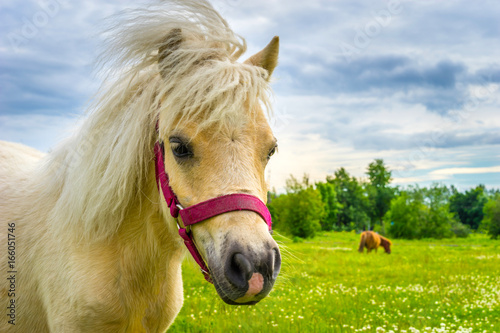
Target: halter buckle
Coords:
[(180, 225)]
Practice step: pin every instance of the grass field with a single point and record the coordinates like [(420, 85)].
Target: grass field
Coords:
[(327, 286)]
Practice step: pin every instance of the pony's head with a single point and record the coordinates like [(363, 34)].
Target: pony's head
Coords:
[(179, 82), (217, 141), (386, 244)]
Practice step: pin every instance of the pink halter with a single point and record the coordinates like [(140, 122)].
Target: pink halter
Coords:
[(203, 210)]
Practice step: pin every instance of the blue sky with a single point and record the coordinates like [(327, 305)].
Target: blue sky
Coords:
[(414, 83)]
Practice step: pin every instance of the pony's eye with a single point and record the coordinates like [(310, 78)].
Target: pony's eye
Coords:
[(272, 151), (180, 148)]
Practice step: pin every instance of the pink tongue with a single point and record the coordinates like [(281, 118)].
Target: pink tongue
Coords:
[(255, 284)]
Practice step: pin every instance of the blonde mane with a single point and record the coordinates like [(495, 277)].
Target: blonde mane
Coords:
[(104, 168)]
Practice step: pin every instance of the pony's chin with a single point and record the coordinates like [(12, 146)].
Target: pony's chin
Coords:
[(231, 302)]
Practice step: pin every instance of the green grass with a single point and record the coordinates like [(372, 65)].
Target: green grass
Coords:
[(327, 286)]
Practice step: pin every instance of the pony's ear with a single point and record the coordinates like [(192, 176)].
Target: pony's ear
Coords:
[(171, 43), (268, 57)]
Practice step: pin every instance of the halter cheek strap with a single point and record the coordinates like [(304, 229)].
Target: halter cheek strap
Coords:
[(203, 210)]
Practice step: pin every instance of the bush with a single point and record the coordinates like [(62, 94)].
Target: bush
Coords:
[(404, 216), (341, 228), (460, 230), (299, 211), (491, 219), (380, 229), (417, 214), (332, 206)]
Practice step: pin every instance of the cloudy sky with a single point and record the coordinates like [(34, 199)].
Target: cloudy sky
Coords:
[(415, 83)]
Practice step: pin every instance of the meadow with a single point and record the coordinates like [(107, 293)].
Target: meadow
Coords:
[(325, 285)]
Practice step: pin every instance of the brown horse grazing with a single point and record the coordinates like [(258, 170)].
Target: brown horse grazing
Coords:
[(371, 240)]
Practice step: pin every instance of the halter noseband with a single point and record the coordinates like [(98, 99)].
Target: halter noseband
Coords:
[(203, 210)]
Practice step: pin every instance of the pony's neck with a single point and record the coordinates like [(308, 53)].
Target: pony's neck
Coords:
[(148, 218)]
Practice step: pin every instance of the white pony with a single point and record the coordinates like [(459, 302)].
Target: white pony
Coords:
[(89, 244)]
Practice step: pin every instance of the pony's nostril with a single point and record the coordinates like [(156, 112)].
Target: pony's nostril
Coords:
[(239, 270), (277, 263)]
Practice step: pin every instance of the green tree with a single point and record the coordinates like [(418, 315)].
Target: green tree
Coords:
[(468, 206), (298, 211), (379, 192), (439, 220), (352, 199), (491, 219), (293, 185), (406, 215), (332, 206), (420, 213)]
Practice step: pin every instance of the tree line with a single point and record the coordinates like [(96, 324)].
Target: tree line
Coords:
[(344, 203)]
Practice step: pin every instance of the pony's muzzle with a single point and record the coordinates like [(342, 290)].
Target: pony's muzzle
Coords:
[(252, 276)]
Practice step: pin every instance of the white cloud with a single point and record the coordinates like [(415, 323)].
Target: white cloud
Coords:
[(462, 171), (330, 113), (37, 130)]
